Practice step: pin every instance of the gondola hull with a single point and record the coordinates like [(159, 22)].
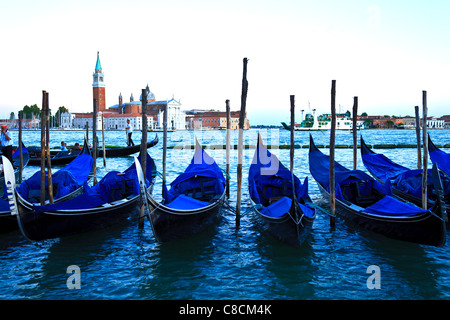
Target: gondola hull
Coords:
[(425, 229), (284, 228), (170, 224), (8, 222), (48, 225)]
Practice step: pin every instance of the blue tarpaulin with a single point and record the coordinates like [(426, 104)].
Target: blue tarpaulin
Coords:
[(387, 206), (202, 173), (391, 207), (381, 166), (66, 180), (402, 178), (442, 159), (319, 166), (183, 202)]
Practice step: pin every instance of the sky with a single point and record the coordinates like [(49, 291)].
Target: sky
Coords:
[(384, 52)]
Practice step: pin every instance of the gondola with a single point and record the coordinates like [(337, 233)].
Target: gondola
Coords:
[(279, 199), (112, 200), (371, 205), (193, 201), (67, 183), (406, 183), (441, 158), (64, 157)]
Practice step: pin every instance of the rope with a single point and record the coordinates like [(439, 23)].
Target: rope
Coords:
[(315, 206)]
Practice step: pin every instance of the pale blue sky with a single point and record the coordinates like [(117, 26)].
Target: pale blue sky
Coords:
[(384, 52)]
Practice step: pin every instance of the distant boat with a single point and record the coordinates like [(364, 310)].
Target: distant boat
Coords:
[(63, 157), (322, 123)]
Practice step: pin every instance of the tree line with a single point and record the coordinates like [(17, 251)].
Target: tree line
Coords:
[(33, 111)]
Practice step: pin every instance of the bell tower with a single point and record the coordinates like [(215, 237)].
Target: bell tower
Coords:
[(98, 86)]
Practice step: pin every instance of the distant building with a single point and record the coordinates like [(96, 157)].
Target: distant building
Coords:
[(211, 119), (409, 122), (435, 123)]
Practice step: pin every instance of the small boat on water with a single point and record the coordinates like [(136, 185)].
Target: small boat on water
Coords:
[(371, 205), (441, 158), (279, 199), (64, 157), (193, 201), (112, 200), (406, 183), (67, 183)]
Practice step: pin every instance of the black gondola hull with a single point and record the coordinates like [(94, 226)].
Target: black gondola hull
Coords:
[(49, 225), (35, 155), (427, 229), (285, 229), (170, 224)]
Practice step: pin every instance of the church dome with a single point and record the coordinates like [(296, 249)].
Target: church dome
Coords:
[(150, 95)]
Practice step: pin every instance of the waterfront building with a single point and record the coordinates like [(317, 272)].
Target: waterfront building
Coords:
[(435, 123), (212, 119)]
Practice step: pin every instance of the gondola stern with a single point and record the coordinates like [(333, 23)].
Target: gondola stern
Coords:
[(431, 146), (364, 147), (312, 145), (439, 190)]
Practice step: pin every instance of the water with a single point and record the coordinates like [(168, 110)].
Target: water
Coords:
[(124, 262)]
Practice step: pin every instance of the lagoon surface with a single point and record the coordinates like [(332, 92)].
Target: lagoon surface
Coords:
[(225, 262)]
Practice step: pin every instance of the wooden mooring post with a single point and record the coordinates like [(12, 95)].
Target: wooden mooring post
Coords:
[(227, 106), (292, 147), (425, 150), (332, 144), (241, 142), (164, 146), (94, 140), (143, 153), (20, 148), (49, 162), (355, 132), (42, 197), (103, 141), (419, 152)]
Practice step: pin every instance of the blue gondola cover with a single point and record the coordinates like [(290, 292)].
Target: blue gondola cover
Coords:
[(202, 165), (442, 159)]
